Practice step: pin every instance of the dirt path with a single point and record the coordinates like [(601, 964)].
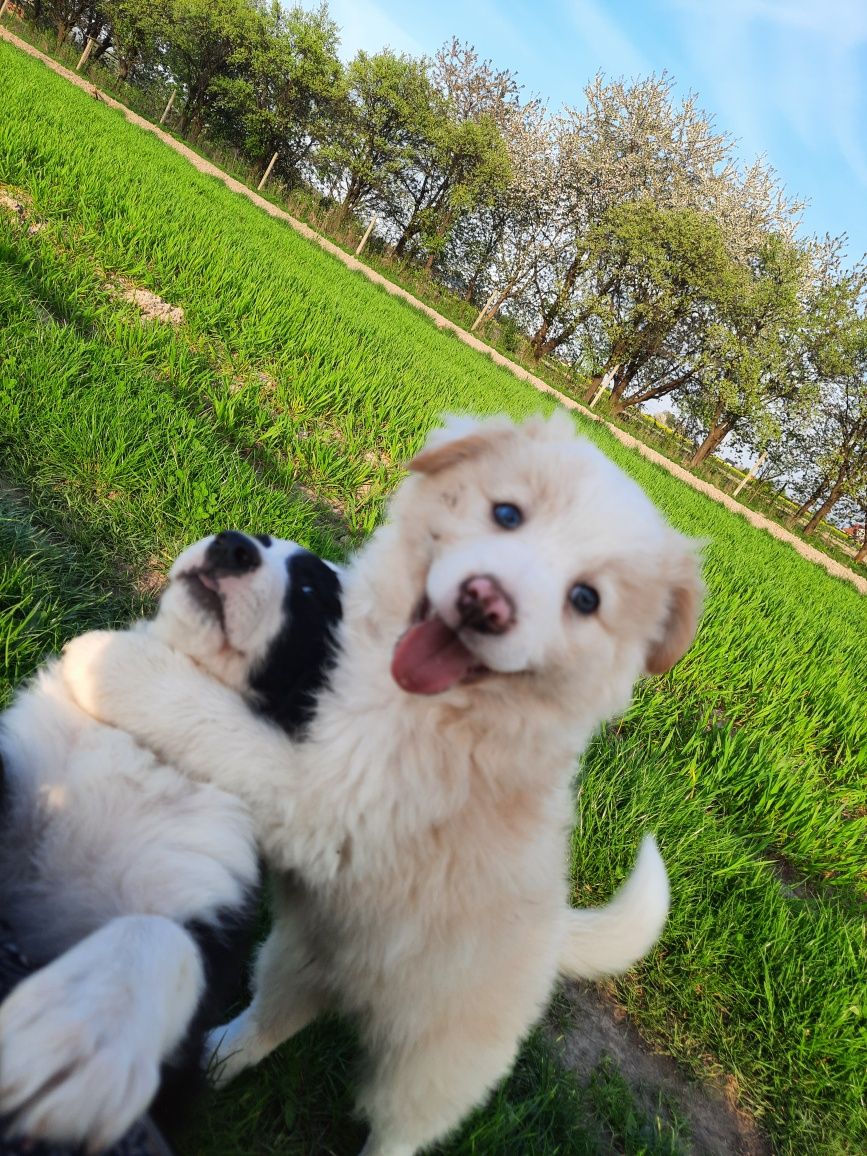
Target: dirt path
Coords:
[(441, 322), (599, 1028)]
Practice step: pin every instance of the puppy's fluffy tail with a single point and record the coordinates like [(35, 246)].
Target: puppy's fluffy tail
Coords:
[(607, 940)]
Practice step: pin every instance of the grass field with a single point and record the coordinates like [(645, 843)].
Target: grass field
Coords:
[(501, 334), (285, 402)]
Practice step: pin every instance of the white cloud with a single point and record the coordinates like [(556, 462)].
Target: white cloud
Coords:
[(845, 20), (785, 63), (364, 25), (603, 38)]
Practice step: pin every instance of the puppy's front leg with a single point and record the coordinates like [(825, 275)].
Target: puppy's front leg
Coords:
[(82, 1040), (131, 681)]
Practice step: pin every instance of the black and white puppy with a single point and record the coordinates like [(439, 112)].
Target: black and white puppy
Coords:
[(128, 886)]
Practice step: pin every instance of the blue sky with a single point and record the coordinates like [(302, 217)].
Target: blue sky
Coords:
[(787, 78)]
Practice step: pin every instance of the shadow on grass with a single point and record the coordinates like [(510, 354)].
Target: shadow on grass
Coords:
[(299, 1102)]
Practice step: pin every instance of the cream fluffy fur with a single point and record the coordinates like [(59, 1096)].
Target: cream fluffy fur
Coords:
[(424, 837)]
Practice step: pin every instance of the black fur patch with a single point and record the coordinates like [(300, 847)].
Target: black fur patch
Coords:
[(224, 945), (265, 539), (286, 682)]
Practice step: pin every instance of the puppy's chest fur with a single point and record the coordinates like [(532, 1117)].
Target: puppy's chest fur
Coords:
[(445, 825)]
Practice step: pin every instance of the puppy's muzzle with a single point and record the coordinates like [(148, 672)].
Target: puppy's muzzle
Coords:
[(484, 605), (232, 553)]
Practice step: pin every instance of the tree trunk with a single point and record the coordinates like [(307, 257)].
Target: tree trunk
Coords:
[(713, 439), (538, 340), (616, 393), (540, 343), (190, 122), (501, 300), (826, 507), (802, 509), (470, 291), (621, 384), (657, 391), (353, 196), (407, 235), (595, 381)]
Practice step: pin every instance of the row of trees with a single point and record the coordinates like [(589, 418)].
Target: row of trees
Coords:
[(619, 236)]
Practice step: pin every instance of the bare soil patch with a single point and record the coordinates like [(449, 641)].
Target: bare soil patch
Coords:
[(149, 582), (17, 203), (11, 204), (600, 1029), (150, 306)]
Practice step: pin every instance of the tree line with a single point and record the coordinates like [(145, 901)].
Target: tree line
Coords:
[(619, 236)]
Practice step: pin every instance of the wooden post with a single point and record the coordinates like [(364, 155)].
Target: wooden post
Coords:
[(3, 8), (484, 311), (168, 107), (267, 174), (754, 469), (606, 381), (367, 233), (87, 51)]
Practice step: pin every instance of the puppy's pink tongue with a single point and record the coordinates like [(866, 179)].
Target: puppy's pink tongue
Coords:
[(429, 658)]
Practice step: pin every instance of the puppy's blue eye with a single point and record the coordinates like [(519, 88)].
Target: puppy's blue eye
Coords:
[(507, 515), (584, 598)]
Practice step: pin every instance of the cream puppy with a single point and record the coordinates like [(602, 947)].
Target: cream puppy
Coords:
[(519, 588)]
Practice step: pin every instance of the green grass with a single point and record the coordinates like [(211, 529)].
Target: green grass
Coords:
[(47, 594), (285, 403), (321, 214)]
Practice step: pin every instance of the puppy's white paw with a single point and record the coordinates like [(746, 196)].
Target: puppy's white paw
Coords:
[(375, 1147), (102, 668), (72, 1066), (87, 666), (82, 1040), (230, 1049)]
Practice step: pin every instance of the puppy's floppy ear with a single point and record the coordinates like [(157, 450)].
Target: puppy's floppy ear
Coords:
[(459, 440), (681, 620)]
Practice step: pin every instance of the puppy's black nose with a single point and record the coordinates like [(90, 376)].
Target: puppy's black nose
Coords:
[(232, 553)]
